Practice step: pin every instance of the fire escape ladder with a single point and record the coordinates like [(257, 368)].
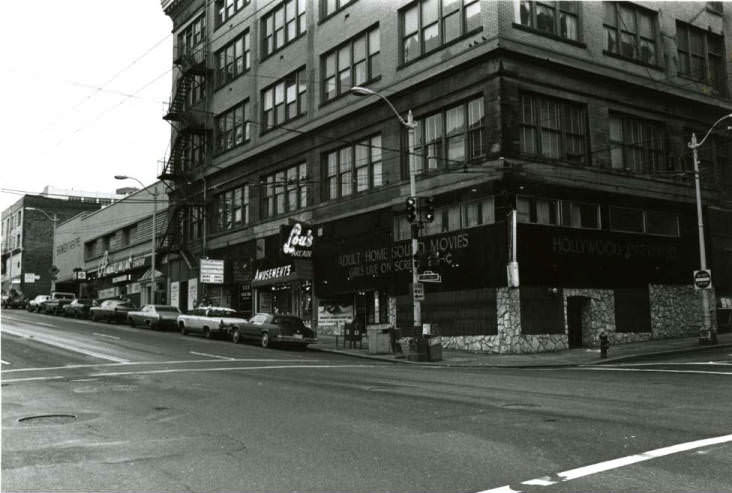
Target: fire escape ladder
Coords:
[(177, 107)]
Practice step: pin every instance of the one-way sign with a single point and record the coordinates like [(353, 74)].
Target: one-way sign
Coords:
[(429, 276), (702, 279)]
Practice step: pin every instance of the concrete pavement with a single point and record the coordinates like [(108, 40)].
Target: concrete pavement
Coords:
[(568, 357)]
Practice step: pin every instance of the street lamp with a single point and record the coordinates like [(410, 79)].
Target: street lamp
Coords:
[(53, 218), (154, 193), (708, 334), (411, 126)]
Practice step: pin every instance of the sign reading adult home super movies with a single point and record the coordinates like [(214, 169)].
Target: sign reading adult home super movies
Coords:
[(212, 271)]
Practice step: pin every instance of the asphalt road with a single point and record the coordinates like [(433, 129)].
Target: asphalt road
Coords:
[(90, 406)]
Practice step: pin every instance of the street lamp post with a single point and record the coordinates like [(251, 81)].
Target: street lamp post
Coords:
[(53, 218), (154, 193), (708, 333), (411, 126)]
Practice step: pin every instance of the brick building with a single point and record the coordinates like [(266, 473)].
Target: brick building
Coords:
[(572, 117)]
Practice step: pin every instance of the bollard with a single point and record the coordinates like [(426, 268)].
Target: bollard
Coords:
[(604, 344)]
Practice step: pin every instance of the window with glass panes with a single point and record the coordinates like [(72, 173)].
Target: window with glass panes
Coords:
[(537, 210), (197, 91), (636, 145), (580, 215), (194, 151), (286, 190), (425, 25), (714, 159), (354, 63), (232, 208), (226, 9), (192, 36), (560, 19), (233, 59), (353, 168), (284, 100), (451, 137), (630, 32), (553, 128), (194, 229), (700, 55), (233, 127), (330, 7), (282, 25)]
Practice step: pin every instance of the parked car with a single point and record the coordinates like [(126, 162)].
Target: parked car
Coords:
[(14, 301), (269, 329), (209, 320), (155, 316), (55, 304), (35, 304), (78, 308), (112, 310)]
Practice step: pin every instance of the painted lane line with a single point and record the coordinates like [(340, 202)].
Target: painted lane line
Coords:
[(30, 379), (212, 355), (105, 335), (230, 368), (608, 465), (4, 362), (701, 372), (58, 342), (143, 363)]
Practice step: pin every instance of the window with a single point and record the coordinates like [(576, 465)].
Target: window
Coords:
[(232, 208), (626, 219), (194, 151), (631, 220), (450, 217), (284, 100), (553, 128), (426, 25), (354, 63), (537, 210), (286, 190), (191, 36), (353, 168), (453, 136), (478, 213), (225, 9), (194, 231), (636, 145), (700, 55), (233, 127), (330, 7), (282, 25), (560, 19), (661, 223), (580, 215), (196, 91), (233, 60), (630, 32)]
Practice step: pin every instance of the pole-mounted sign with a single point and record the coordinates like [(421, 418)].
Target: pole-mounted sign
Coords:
[(703, 279)]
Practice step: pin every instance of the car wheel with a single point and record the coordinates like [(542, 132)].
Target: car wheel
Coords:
[(132, 322), (264, 341), (207, 333), (183, 330), (236, 336)]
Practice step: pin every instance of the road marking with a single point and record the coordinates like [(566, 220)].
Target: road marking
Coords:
[(138, 363), (105, 335), (30, 379), (43, 324), (212, 355), (608, 465), (615, 368), (230, 368), (4, 362), (57, 342)]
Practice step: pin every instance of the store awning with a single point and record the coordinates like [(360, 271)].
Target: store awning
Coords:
[(147, 275), (268, 276)]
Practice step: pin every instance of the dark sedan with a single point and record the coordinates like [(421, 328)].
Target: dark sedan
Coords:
[(112, 311), (273, 329), (79, 308)]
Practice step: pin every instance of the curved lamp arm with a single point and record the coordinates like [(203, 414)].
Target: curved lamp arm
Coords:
[(364, 91), (692, 146)]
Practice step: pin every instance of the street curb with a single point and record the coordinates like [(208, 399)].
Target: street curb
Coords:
[(525, 365)]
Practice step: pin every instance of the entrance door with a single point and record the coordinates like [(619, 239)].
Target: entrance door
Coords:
[(575, 307)]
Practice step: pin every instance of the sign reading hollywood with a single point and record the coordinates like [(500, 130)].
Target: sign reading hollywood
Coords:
[(298, 240)]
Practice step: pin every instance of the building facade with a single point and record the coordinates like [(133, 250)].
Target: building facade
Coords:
[(552, 134), (28, 239)]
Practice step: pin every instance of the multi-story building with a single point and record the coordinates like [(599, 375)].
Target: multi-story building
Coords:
[(554, 134), (108, 253), (27, 241)]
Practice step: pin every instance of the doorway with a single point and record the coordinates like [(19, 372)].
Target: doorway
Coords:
[(577, 318)]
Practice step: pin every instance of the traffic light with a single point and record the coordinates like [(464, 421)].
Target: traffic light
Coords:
[(429, 209), (411, 209)]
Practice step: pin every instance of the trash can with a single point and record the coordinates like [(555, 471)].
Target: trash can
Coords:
[(379, 340), (434, 348), (417, 349)]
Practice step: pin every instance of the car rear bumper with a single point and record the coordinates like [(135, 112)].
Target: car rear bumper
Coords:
[(295, 340)]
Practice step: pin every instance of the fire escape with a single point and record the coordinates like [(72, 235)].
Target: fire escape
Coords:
[(191, 140)]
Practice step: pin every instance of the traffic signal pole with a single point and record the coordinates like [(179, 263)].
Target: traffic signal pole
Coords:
[(411, 126)]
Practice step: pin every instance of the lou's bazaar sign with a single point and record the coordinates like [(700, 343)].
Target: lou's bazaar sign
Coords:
[(297, 240)]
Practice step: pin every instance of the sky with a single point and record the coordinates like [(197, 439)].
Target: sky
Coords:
[(85, 85)]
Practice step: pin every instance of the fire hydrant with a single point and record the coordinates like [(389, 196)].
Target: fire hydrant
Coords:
[(604, 344)]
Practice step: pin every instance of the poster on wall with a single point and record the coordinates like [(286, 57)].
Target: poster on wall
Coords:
[(175, 293), (192, 293), (332, 316)]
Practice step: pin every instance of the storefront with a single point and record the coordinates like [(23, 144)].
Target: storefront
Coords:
[(128, 278)]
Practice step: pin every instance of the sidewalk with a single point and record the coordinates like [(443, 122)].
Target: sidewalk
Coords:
[(567, 357)]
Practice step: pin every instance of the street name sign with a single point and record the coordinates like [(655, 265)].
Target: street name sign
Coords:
[(429, 276), (703, 279)]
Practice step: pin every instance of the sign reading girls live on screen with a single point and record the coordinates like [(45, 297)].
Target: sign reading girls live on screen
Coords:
[(297, 240)]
